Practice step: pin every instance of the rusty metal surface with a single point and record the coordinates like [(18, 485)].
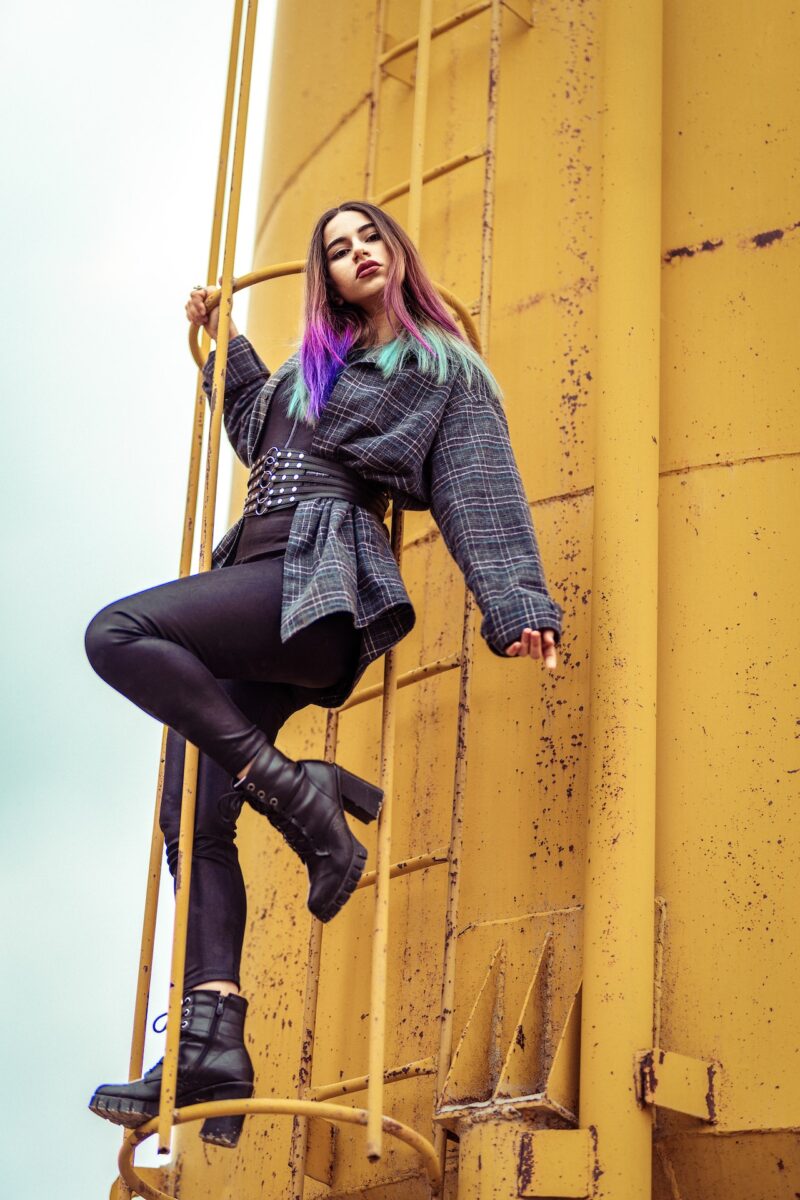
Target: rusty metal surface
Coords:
[(722, 957)]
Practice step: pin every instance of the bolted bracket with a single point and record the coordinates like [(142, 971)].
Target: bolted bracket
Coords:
[(675, 1081)]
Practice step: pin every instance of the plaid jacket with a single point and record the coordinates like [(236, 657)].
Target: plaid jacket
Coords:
[(443, 447)]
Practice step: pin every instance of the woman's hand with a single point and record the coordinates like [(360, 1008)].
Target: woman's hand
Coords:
[(197, 314), (536, 644)]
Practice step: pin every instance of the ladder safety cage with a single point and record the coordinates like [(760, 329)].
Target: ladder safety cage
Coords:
[(312, 1101)]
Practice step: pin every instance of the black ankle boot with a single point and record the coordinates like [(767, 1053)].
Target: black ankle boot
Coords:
[(304, 800), (213, 1064)]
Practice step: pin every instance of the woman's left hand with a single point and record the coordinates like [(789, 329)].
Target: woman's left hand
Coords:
[(536, 644)]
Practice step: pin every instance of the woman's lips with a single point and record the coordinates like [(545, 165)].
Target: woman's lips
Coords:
[(369, 269)]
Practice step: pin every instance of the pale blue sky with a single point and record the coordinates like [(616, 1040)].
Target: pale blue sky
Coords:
[(109, 142)]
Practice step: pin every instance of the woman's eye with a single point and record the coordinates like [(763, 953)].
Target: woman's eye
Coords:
[(374, 237)]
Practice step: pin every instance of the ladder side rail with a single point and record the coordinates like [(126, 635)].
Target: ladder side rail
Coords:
[(375, 100), (445, 1051), (186, 835), (144, 974)]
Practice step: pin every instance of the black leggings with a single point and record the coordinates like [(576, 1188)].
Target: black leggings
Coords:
[(204, 656)]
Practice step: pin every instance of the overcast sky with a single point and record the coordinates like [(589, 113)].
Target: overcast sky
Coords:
[(110, 133)]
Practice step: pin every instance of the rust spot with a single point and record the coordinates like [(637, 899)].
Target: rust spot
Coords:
[(766, 239), (710, 1101), (520, 1037), (597, 1170), (649, 1078), (525, 1164), (690, 251)]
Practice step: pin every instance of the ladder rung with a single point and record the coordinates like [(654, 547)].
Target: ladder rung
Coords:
[(407, 867), (466, 14), (451, 164), (437, 667), (345, 1087)]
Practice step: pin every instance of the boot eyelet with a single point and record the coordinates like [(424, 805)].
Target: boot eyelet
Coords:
[(261, 795), (273, 801), (184, 1024), (251, 787)]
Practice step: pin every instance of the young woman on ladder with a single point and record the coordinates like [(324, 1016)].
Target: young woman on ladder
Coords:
[(384, 400)]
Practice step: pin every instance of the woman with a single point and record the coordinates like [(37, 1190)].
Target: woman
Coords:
[(384, 399)]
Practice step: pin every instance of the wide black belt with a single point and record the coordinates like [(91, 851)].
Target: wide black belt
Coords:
[(283, 477)]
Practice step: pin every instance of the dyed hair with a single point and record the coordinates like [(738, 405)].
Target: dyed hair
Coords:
[(425, 332)]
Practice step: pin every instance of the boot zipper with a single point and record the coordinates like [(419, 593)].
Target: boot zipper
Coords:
[(212, 1032)]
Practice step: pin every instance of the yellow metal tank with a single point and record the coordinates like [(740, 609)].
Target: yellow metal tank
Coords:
[(613, 190)]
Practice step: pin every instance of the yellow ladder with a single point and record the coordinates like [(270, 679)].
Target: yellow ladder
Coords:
[(314, 1101), (379, 1075)]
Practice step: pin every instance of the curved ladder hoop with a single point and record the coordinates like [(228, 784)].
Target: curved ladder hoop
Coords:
[(306, 1108), (279, 270)]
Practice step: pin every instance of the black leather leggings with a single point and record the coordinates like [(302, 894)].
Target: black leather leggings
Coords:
[(203, 655)]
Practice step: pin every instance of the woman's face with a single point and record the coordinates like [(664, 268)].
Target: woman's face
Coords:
[(357, 258)]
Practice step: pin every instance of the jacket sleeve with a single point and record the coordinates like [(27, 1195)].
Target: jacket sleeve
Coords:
[(245, 376), (479, 503)]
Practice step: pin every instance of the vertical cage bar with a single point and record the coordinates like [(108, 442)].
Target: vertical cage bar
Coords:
[(375, 101), (183, 881), (145, 972)]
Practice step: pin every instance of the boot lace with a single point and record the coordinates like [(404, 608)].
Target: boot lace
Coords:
[(186, 1012)]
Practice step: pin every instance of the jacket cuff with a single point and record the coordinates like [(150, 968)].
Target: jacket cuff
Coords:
[(533, 610), (243, 366)]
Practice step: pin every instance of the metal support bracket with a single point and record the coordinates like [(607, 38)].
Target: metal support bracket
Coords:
[(675, 1081), (500, 1158)]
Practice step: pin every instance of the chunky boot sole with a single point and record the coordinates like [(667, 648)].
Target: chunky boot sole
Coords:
[(347, 886), (120, 1111), (219, 1131)]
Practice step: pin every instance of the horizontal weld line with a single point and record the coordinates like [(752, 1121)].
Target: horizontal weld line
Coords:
[(431, 534), (730, 462)]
